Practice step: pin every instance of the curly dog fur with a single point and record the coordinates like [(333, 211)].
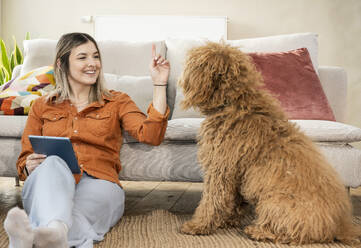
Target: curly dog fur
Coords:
[(251, 153)]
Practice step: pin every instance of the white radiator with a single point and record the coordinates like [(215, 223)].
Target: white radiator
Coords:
[(146, 27)]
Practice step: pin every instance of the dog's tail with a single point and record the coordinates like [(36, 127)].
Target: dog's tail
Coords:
[(349, 234)]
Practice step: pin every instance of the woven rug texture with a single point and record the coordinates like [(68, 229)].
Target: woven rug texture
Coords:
[(160, 229)]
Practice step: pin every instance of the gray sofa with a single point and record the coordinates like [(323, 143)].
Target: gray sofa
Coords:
[(126, 68)]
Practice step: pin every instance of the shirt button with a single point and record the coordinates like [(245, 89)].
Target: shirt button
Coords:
[(75, 131)]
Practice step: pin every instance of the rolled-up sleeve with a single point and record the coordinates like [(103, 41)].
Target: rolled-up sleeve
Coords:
[(146, 129)]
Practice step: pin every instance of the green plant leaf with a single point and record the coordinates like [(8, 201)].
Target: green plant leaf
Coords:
[(4, 57), (6, 76), (12, 61), (17, 53), (19, 56), (27, 36), (2, 76), (8, 63)]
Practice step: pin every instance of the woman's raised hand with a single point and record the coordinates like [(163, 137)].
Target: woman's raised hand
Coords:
[(159, 68)]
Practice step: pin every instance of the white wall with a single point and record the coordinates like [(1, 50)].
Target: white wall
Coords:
[(1, 28), (338, 23)]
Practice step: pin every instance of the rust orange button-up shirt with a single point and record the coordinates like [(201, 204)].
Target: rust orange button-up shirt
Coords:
[(95, 132)]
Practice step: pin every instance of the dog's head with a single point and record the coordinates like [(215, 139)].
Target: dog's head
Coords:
[(216, 75)]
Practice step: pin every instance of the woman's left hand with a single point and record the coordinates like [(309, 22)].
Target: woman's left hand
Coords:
[(159, 68)]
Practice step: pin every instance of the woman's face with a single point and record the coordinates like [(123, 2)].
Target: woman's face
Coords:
[(84, 65)]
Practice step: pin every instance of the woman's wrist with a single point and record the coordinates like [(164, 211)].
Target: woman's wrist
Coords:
[(161, 84), (160, 99)]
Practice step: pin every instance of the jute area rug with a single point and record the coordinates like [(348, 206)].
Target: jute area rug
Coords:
[(160, 229)]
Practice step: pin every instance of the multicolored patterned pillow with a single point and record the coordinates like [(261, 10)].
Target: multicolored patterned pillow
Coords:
[(17, 95)]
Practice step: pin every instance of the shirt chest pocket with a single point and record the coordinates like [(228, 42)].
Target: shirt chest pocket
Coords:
[(54, 124), (98, 123)]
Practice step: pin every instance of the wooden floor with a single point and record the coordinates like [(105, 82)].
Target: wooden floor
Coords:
[(143, 197), (140, 196)]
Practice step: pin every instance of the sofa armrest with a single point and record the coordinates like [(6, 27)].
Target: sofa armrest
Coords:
[(334, 83)]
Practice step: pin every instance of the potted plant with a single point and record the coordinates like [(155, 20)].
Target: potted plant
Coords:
[(8, 62)]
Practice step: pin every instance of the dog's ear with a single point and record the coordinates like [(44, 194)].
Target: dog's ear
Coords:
[(216, 75), (196, 80)]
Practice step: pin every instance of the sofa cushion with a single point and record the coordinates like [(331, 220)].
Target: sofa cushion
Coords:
[(177, 161), (119, 57), (12, 126), (38, 53), (329, 131), (290, 77), (186, 129), (177, 50), (10, 149), (128, 58), (345, 159), (140, 89), (334, 84), (281, 43), (18, 94)]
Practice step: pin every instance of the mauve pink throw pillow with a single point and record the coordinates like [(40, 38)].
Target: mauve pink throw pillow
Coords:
[(291, 78)]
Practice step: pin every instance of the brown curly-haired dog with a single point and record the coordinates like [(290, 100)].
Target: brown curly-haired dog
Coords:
[(251, 153)]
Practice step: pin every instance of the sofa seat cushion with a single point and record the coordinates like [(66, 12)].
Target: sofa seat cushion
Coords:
[(186, 129), (12, 125), (329, 131), (345, 159), (10, 149), (183, 129), (177, 161)]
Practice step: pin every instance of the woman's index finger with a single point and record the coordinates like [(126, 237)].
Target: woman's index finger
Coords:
[(153, 51)]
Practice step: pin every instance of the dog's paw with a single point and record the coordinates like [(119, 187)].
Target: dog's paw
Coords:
[(234, 222), (258, 233), (194, 228)]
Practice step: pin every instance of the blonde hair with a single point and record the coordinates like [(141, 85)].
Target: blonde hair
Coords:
[(61, 69)]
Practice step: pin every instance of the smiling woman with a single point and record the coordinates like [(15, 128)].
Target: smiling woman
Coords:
[(62, 209), (85, 65), (77, 68), (83, 73)]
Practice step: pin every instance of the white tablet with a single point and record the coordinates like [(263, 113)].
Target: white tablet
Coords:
[(60, 146)]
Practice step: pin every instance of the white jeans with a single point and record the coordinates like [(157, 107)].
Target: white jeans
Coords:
[(89, 208)]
